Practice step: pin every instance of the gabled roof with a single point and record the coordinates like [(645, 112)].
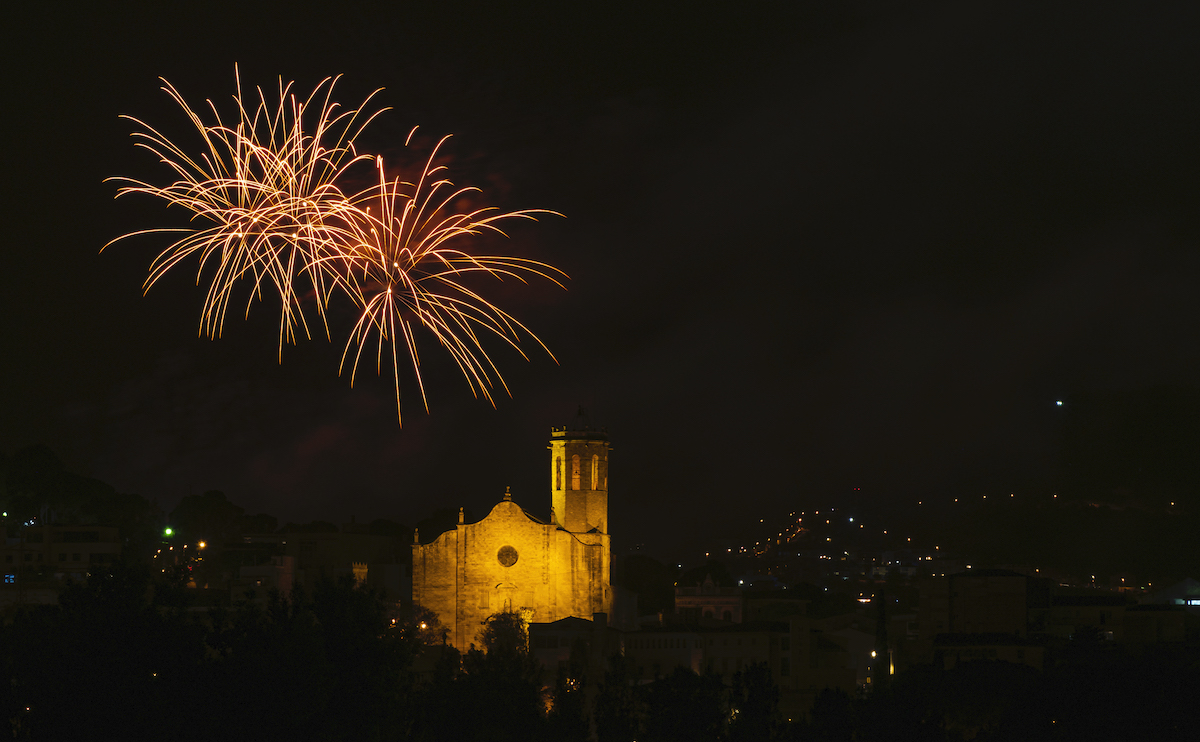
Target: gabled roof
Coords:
[(570, 623)]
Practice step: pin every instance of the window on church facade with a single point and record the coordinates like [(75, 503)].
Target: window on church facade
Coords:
[(558, 472), (595, 471), (575, 472)]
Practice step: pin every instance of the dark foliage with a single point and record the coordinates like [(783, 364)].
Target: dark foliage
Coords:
[(832, 718), (569, 713), (112, 661), (617, 709), (754, 705), (120, 658), (685, 707), (498, 695)]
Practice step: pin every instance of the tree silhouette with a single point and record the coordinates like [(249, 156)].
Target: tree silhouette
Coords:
[(754, 705), (685, 707), (617, 708)]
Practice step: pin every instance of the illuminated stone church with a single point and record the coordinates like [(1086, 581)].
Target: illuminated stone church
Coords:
[(513, 560)]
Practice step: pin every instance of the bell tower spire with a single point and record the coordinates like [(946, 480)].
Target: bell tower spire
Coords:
[(579, 478)]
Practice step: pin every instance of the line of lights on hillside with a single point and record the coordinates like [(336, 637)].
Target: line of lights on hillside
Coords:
[(796, 529)]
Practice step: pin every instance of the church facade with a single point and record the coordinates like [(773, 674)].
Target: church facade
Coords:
[(512, 560)]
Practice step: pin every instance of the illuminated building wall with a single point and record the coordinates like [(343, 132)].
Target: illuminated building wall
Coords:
[(513, 560)]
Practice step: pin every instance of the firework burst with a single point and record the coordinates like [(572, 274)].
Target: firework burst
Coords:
[(264, 195), (408, 268)]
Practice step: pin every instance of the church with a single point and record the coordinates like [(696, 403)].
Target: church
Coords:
[(512, 560)]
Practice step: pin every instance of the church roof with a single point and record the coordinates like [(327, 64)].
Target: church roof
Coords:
[(533, 517), (508, 500)]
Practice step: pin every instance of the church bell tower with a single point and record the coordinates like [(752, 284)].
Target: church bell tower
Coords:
[(579, 479)]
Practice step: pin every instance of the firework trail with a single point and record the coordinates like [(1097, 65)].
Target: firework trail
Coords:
[(264, 193)]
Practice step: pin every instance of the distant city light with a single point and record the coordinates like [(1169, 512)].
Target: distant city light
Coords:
[(1058, 403)]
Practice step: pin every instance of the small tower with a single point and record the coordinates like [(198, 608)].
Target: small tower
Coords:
[(579, 479)]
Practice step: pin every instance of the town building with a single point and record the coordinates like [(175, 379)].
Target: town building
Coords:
[(709, 600), (800, 658), (38, 561)]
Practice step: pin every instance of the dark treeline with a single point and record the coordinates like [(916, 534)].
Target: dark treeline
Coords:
[(123, 657)]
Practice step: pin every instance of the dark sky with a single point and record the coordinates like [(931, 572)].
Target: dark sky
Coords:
[(812, 246)]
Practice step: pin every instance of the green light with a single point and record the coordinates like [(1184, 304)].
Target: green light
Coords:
[(168, 531)]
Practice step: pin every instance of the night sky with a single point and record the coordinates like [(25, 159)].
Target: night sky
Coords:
[(811, 247)]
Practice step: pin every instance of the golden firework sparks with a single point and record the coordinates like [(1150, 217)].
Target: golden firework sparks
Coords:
[(408, 265), (265, 191), (265, 195)]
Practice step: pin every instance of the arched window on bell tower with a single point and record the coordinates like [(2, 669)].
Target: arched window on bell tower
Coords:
[(558, 472), (595, 471), (575, 472)]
